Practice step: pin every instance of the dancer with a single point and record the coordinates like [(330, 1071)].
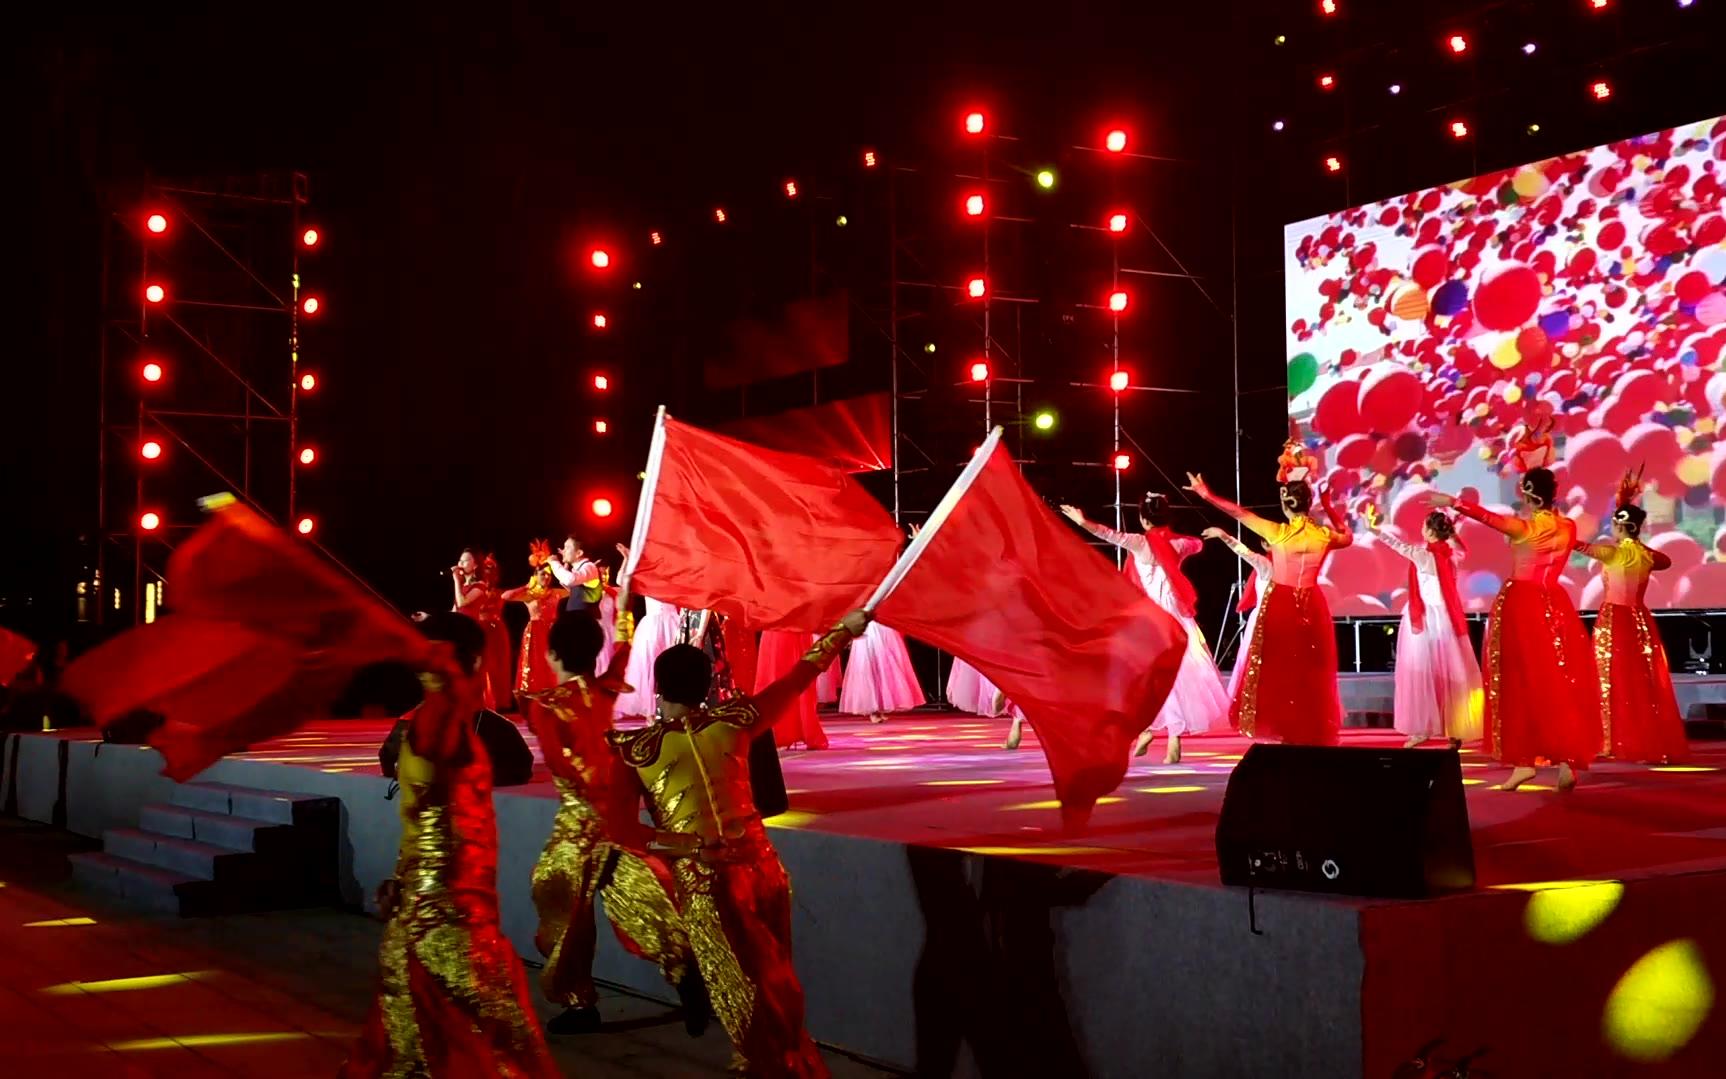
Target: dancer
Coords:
[(658, 630), (880, 678), (1248, 604), (542, 598), (452, 998), (1637, 705), (478, 596), (1289, 688), (1538, 668), (731, 887), (827, 687), (598, 846), (777, 655), (1438, 692), (1196, 703)]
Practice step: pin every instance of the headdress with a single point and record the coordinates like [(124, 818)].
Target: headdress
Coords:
[(538, 553)]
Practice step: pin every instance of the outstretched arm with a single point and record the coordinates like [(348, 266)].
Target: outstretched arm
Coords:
[(1600, 552), (1257, 561), (1126, 540), (1196, 484), (773, 700), (1513, 527)]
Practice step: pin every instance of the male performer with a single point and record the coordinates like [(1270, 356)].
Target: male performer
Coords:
[(598, 844), (578, 573), (693, 762)]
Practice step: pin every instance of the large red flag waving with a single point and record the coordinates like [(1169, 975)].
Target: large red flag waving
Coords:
[(264, 636), (998, 580), (772, 539), (15, 654)]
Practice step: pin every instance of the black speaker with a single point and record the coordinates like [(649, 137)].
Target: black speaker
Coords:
[(1389, 823), (766, 781)]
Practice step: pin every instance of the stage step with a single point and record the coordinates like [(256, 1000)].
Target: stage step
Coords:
[(217, 848)]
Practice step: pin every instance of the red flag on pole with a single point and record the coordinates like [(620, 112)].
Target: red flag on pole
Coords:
[(264, 636), (999, 581), (15, 654), (773, 540)]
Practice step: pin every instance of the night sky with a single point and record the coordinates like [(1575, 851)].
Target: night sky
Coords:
[(461, 159)]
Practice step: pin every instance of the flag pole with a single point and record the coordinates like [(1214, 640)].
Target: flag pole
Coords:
[(942, 511), (644, 504)]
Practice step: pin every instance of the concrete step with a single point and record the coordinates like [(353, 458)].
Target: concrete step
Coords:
[(146, 886), (216, 829), (187, 857), (274, 807)]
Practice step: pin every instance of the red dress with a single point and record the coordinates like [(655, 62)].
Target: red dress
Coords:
[(543, 601), (1638, 708), (484, 604), (776, 656), (1537, 665)]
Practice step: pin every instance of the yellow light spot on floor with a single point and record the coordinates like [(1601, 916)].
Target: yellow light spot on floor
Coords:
[(1053, 851), (121, 985), (1108, 801), (51, 922), (1659, 1004), (1474, 782), (1561, 915), (1171, 790), (1682, 768), (1165, 770), (198, 1041), (959, 782), (1477, 764), (793, 818)]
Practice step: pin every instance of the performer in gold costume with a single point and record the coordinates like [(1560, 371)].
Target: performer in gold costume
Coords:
[(453, 998), (693, 763), (598, 845)]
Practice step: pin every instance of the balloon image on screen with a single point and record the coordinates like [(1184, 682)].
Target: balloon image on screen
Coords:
[(1569, 313)]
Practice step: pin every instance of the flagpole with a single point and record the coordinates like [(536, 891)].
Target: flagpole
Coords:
[(936, 520), (644, 504)]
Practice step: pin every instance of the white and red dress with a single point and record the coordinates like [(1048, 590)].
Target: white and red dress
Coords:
[(1438, 689), (660, 628)]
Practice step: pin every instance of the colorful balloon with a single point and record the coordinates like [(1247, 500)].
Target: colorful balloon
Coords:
[(1389, 398), (1430, 266), (1507, 297), (1409, 303), (1338, 413), (1302, 373), (1450, 298)]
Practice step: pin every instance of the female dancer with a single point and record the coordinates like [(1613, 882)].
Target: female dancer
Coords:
[(827, 686), (777, 655), (478, 597), (1197, 702), (969, 690), (1289, 688), (879, 679), (543, 598), (1249, 601), (659, 629), (1437, 679), (1539, 671), (1637, 705)]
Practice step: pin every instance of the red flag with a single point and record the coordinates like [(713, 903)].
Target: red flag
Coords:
[(15, 654), (1003, 584), (264, 636), (771, 539)]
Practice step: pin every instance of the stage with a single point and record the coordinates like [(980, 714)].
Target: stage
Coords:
[(946, 925)]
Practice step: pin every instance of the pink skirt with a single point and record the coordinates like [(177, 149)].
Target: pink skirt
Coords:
[(1197, 703), (657, 631), (827, 686), (879, 678)]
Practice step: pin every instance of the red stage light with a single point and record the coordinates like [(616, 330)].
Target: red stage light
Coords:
[(306, 525), (1115, 141), (156, 223), (601, 382), (600, 427), (601, 507), (310, 237), (149, 521), (976, 287), (1117, 222), (1458, 44), (974, 123), (1119, 380), (150, 450), (1459, 129), (1328, 7), (155, 293), (868, 159), (1327, 82), (1599, 5), (1333, 164), (1601, 89), (310, 305), (600, 258), (979, 372), (308, 382), (152, 372), (1122, 462), (791, 189), (1117, 301), (974, 205), (600, 321), (719, 214), (655, 239), (308, 456)]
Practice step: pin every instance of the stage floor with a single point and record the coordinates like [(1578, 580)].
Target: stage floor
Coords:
[(942, 780)]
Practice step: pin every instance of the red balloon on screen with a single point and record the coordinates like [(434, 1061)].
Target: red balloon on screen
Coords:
[(1507, 297), (1338, 414), (1532, 345), (1384, 458), (1355, 451), (1640, 389), (1581, 262), (1710, 230), (1684, 551), (1596, 459), (1610, 238), (1430, 267), (1389, 398), (1692, 286), (1702, 586)]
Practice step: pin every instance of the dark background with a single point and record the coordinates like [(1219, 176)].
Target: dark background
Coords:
[(462, 161)]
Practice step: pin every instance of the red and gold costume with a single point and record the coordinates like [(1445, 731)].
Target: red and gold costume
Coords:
[(732, 889), (1536, 662), (453, 998), (481, 600), (597, 845), (1288, 689), (543, 599), (1638, 707)]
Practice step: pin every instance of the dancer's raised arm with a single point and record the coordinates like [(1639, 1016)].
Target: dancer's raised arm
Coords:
[(1196, 484)]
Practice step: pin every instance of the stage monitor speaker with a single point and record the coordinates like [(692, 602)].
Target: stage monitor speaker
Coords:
[(1388, 823)]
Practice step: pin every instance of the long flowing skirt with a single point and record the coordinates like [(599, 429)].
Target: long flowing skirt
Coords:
[(1197, 702), (658, 630), (880, 677), (1637, 705), (827, 686), (779, 651), (1288, 690), (499, 694), (1541, 685), (1438, 690), (1240, 667), (969, 690)]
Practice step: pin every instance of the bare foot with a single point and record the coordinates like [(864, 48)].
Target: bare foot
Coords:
[(1414, 740), (1014, 734), (1517, 778), (1143, 745), (1173, 754), (1566, 777), (1456, 743), (878, 717)]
